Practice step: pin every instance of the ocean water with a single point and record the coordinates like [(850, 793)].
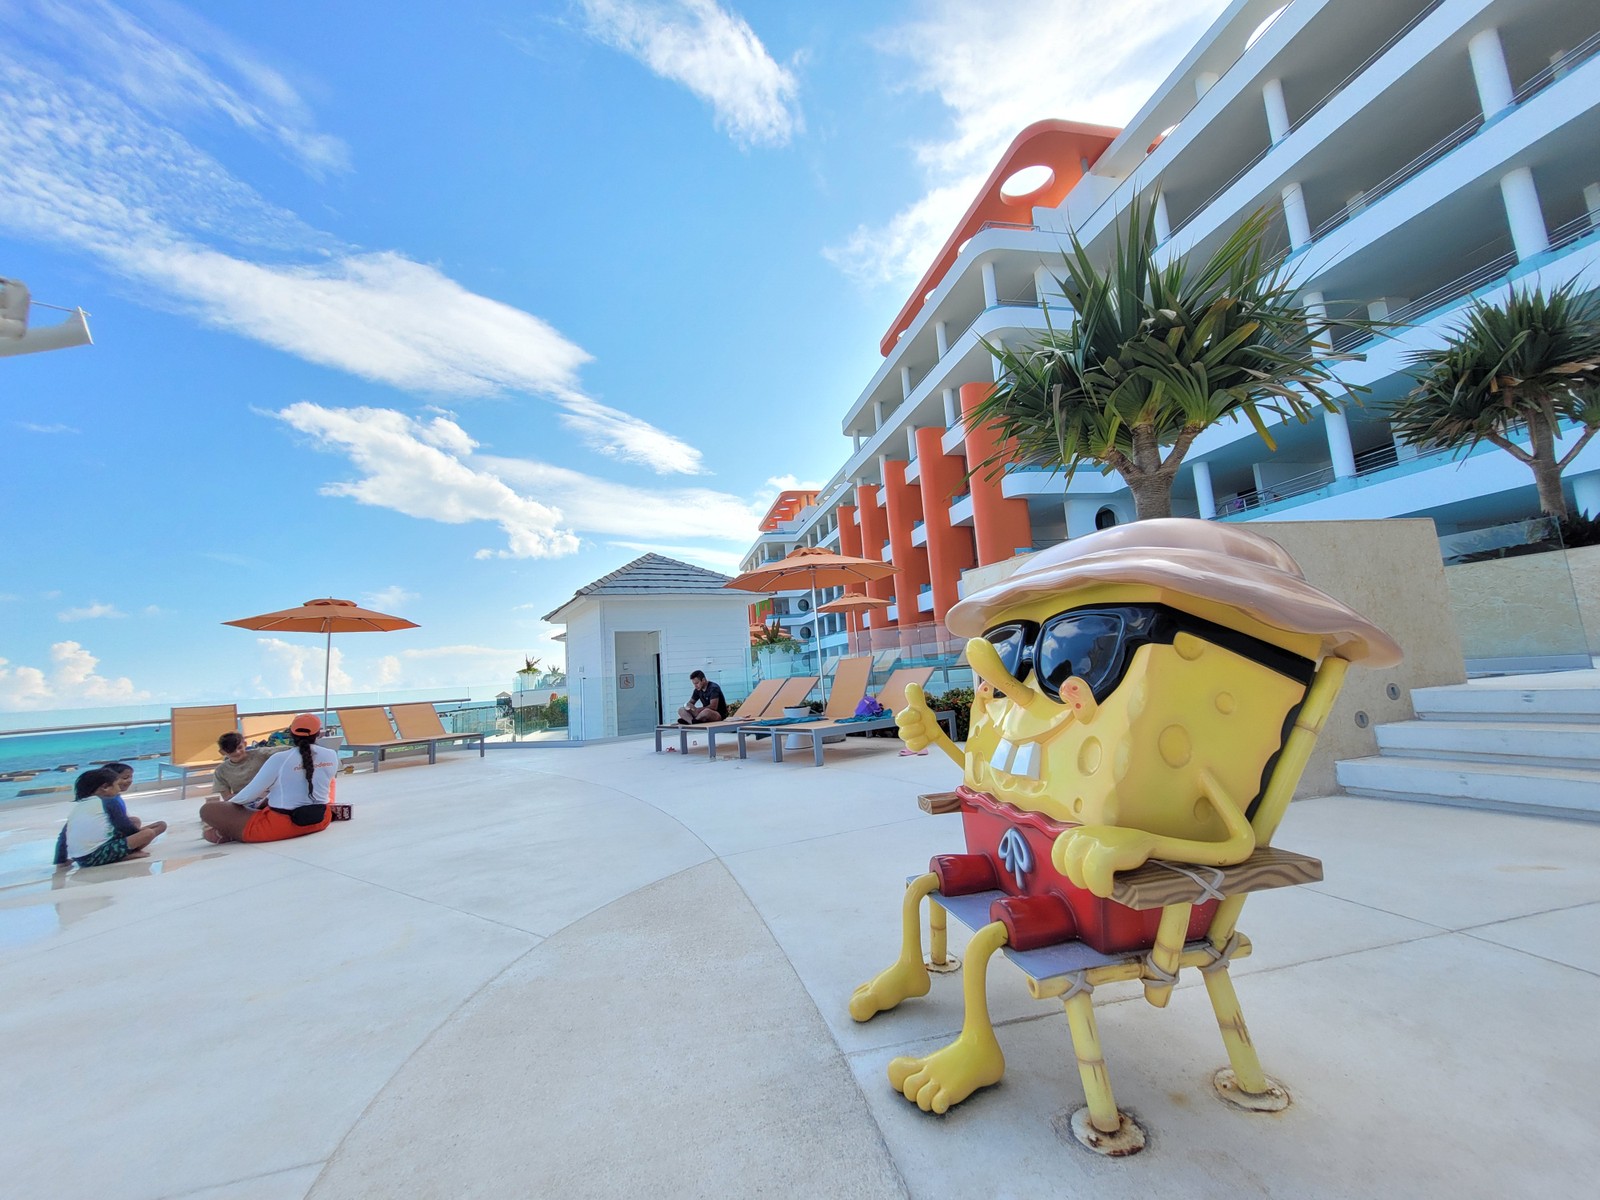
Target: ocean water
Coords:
[(59, 757)]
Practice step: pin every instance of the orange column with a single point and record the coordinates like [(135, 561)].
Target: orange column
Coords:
[(850, 544), (874, 532), (904, 503), (949, 546), (1000, 527)]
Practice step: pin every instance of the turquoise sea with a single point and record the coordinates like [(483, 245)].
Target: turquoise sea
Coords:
[(59, 757)]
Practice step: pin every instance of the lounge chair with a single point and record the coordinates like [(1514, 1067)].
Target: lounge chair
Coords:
[(793, 693), (257, 727), (756, 703), (420, 723), (849, 686), (368, 728), (893, 698), (195, 731)]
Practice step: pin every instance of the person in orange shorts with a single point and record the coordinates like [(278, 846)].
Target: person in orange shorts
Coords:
[(289, 797)]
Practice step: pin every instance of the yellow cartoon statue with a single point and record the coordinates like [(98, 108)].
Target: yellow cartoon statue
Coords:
[(1148, 694)]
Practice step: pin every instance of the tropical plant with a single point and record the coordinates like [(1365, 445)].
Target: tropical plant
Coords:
[(958, 701), (1153, 355), (771, 637), (1519, 368), (530, 665)]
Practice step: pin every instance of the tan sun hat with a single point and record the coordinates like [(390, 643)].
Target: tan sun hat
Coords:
[(1208, 560)]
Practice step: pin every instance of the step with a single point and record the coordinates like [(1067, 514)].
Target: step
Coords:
[(1542, 791), (1468, 702), (1524, 743)]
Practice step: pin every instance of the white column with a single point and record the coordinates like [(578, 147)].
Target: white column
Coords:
[(1523, 213), (941, 337), (997, 370), (1586, 494), (905, 383), (1489, 72), (991, 290), (877, 415), (1277, 110), (952, 408), (1337, 430), (1163, 223), (857, 438), (1204, 82), (1294, 212), (1316, 316), (1378, 310), (911, 443), (1203, 494), (1591, 204)]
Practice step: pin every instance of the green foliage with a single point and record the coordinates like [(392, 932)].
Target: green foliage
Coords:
[(1580, 529), (771, 637), (530, 665), (1153, 355), (958, 701), (1523, 366)]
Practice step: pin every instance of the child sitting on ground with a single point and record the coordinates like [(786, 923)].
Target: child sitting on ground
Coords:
[(100, 831)]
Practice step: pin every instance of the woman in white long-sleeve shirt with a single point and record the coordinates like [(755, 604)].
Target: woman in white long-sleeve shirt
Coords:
[(288, 798)]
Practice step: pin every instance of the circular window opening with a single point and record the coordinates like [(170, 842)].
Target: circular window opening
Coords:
[(1105, 518), (805, 633), (1025, 183), (804, 604)]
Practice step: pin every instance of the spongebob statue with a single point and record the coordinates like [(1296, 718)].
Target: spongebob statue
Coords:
[(1148, 694)]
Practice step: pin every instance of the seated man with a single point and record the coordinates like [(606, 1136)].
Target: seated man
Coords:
[(239, 763), (706, 704)]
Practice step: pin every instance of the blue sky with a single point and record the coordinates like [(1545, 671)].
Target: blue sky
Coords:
[(453, 309)]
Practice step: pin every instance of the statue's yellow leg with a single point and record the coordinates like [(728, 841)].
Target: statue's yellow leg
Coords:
[(908, 976), (939, 957), (948, 1076), (1166, 952)]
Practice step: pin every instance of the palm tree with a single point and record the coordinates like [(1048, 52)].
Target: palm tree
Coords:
[(1153, 355), (1521, 367)]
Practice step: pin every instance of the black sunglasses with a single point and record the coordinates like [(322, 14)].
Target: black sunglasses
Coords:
[(1096, 644)]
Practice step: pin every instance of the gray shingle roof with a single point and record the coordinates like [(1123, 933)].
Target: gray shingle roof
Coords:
[(652, 575)]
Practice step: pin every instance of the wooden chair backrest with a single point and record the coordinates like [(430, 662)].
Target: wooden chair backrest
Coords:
[(792, 694), (419, 720), (366, 726), (759, 700), (257, 726), (849, 686), (893, 693), (195, 731)]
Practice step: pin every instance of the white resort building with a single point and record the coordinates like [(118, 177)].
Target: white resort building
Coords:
[(1416, 154)]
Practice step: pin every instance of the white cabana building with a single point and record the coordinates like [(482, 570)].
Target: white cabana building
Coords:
[(634, 635)]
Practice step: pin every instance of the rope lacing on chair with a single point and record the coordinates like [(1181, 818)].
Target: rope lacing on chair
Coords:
[(1221, 955), (1208, 887)]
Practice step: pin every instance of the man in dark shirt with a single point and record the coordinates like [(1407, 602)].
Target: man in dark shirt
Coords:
[(707, 703)]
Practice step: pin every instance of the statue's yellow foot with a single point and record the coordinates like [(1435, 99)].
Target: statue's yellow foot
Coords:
[(947, 1077), (900, 982)]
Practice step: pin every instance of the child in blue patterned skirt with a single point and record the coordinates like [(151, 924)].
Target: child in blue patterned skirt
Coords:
[(100, 831)]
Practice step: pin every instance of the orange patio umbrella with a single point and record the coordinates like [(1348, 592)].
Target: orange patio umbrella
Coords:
[(812, 567), (327, 617), (855, 605)]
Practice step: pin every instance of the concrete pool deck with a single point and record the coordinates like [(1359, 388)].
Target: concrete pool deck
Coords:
[(605, 972)]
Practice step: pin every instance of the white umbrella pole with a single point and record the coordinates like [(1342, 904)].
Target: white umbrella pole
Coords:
[(816, 621), (327, 666)]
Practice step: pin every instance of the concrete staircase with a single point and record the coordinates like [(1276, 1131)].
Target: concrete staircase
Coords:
[(1534, 750)]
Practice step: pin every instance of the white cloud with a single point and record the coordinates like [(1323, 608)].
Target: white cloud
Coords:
[(429, 469), (90, 612), (87, 167), (392, 599), (1023, 61), (718, 560), (30, 427), (161, 74), (712, 52), (790, 483), (70, 681), (298, 669)]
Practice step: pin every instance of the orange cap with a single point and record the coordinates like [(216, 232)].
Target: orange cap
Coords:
[(306, 725)]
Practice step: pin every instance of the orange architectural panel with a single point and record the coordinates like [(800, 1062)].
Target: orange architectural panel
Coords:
[(904, 506), (874, 532), (786, 507), (1000, 526), (1066, 149), (850, 543), (950, 551)]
